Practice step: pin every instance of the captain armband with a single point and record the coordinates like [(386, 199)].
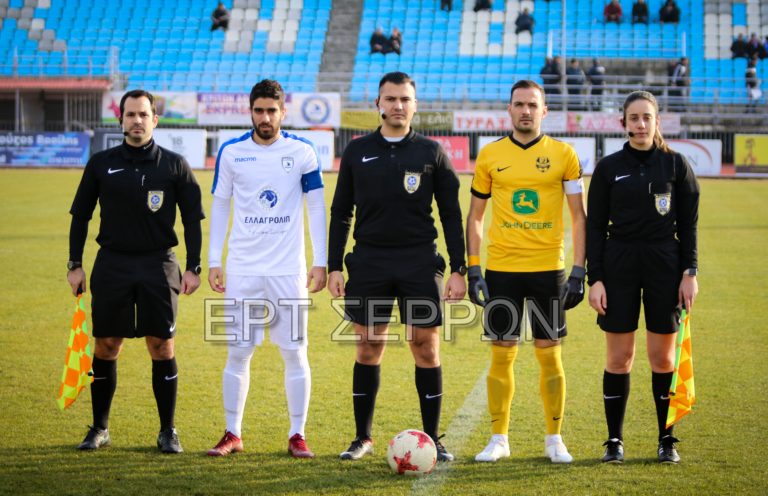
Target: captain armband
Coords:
[(574, 186)]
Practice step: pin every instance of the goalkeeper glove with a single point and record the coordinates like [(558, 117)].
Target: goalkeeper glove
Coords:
[(573, 292)]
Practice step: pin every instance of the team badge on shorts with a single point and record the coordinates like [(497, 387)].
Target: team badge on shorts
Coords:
[(663, 201), (412, 181), (155, 200), (287, 164)]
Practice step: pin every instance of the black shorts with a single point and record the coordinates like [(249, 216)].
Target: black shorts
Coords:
[(503, 315), (135, 295), (377, 276), (635, 272)]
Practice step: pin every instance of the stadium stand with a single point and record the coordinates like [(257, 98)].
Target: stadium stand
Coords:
[(455, 56), (166, 45)]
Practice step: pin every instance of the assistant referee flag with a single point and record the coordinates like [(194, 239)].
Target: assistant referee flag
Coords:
[(77, 365), (682, 394)]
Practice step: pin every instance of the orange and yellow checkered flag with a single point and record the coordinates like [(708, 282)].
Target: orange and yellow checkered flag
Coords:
[(682, 394), (77, 364)]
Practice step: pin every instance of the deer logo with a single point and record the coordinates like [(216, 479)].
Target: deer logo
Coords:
[(525, 201)]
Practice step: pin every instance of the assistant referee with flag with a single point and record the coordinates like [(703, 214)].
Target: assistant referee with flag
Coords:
[(642, 220), (136, 279)]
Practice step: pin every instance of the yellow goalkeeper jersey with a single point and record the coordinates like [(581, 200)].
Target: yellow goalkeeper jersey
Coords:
[(526, 187)]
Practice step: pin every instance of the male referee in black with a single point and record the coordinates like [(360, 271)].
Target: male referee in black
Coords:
[(136, 279), (389, 179)]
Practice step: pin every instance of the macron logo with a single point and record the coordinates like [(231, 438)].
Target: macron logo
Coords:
[(245, 159)]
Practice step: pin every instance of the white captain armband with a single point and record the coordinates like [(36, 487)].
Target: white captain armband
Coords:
[(574, 186)]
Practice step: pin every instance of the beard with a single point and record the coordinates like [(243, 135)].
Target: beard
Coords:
[(525, 129), (265, 131)]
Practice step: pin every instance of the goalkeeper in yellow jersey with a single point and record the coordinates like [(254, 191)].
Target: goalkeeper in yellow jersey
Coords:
[(526, 175)]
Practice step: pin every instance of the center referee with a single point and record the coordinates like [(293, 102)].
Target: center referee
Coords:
[(389, 179), (136, 279)]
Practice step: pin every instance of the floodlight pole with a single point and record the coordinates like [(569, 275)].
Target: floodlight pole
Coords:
[(564, 57)]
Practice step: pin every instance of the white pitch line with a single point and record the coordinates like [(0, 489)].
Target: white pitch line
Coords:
[(464, 422)]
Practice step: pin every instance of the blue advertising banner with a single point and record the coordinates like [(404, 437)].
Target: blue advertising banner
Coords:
[(44, 149)]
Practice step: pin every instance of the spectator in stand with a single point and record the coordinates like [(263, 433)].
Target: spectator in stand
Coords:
[(613, 12), (765, 47), (678, 81), (739, 47), (551, 76), (754, 47), (395, 40), (379, 42), (483, 5), (575, 78), (446, 5), (596, 76), (640, 12), (220, 18), (753, 86), (524, 22), (669, 13)]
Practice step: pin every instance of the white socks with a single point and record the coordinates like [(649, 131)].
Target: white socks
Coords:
[(235, 383), (298, 382)]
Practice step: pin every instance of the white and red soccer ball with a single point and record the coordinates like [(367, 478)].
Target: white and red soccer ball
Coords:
[(412, 452)]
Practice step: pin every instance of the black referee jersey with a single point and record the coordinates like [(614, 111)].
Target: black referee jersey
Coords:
[(138, 190), (641, 197), (390, 187)]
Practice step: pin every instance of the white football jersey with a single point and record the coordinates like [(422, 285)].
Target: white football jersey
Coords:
[(267, 183)]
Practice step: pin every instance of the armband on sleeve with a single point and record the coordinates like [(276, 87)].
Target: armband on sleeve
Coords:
[(574, 186)]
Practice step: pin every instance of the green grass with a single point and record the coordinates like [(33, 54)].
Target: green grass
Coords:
[(722, 441)]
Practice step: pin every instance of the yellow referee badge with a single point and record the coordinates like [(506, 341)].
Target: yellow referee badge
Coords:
[(663, 201), (155, 200), (412, 181)]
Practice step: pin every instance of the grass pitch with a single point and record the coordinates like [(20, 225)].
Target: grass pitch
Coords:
[(722, 444)]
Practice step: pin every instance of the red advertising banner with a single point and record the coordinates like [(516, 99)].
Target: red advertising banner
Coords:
[(598, 122), (457, 148)]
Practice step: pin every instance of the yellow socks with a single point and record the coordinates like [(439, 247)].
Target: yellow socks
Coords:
[(552, 387), (501, 387)]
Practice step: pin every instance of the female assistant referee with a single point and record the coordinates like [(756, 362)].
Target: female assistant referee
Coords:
[(642, 213)]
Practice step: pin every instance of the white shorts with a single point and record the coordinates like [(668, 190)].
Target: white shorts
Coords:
[(277, 302)]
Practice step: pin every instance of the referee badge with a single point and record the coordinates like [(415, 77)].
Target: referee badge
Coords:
[(412, 181), (155, 200), (663, 201)]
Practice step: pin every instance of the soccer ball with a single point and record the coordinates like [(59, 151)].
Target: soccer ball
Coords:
[(412, 452)]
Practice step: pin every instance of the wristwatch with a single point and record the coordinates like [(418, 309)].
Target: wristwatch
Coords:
[(74, 265), (196, 269), (462, 270), (692, 272)]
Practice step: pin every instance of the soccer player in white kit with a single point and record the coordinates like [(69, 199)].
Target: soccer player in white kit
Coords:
[(268, 173)]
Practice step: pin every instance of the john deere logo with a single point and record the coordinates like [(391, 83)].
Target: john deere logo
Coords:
[(525, 201), (542, 163)]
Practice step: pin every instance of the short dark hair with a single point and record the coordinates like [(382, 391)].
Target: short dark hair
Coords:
[(526, 83), (138, 94), (268, 88), (396, 78)]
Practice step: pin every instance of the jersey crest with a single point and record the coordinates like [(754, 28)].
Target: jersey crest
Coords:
[(525, 201), (412, 181), (154, 200), (543, 164), (287, 164), (663, 201)]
